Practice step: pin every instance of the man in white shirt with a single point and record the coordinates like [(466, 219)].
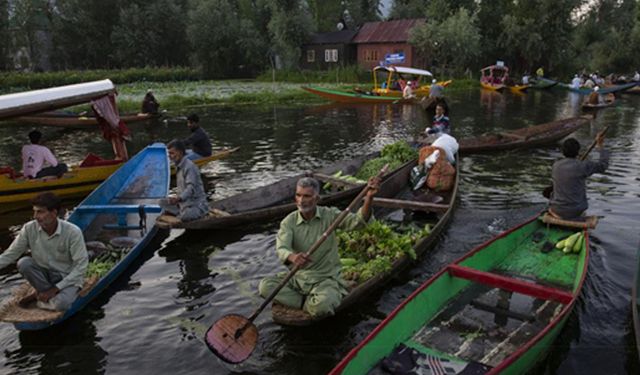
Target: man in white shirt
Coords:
[(38, 161), (576, 82)]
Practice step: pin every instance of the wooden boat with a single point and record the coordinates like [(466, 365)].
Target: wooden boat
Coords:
[(497, 310), (125, 204), (397, 187), (274, 200), (494, 77), (541, 83), (16, 191), (518, 88), (73, 120), (366, 97), (635, 303), (602, 90), (633, 90), (609, 100), (525, 137)]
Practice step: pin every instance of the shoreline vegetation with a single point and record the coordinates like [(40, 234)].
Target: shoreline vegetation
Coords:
[(178, 88)]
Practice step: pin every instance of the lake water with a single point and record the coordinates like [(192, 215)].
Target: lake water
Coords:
[(152, 319)]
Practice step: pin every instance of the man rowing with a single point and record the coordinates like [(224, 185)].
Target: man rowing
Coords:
[(191, 201), (58, 258), (569, 197), (318, 287)]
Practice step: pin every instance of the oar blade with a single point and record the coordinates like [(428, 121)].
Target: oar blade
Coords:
[(222, 341)]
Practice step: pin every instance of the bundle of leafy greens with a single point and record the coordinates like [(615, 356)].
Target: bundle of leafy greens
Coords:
[(394, 154), (372, 250)]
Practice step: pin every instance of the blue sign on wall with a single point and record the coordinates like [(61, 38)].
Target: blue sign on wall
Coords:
[(394, 58)]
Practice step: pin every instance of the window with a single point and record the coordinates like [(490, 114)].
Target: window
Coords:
[(311, 55), (331, 55), (370, 55)]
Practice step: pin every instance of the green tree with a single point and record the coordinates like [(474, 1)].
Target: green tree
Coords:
[(30, 25), (287, 32), (222, 48), (82, 33), (5, 36), (361, 11), (405, 9), (454, 43), (151, 34), (326, 14)]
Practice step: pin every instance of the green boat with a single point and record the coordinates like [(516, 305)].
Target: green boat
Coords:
[(496, 310), (541, 83)]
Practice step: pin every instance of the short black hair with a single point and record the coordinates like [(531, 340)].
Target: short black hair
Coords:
[(570, 148), (177, 145), (193, 118), (35, 136), (47, 200)]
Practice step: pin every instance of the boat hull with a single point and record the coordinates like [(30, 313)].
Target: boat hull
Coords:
[(75, 121), (375, 96), (140, 182), (440, 294), (493, 87)]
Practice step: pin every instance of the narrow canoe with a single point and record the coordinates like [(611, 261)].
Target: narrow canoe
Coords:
[(603, 90), (492, 86), (16, 191), (532, 136), (609, 100), (275, 200), (76, 121), (634, 90), (390, 96), (124, 204), (635, 303), (496, 310), (518, 88), (397, 187), (543, 83)]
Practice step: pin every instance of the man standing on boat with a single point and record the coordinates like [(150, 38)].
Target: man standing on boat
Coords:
[(191, 202), (35, 156), (569, 197), (318, 287), (198, 140), (58, 258)]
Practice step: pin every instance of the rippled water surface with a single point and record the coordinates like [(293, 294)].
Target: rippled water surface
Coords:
[(152, 319)]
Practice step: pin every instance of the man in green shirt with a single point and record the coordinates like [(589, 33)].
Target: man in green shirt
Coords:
[(58, 258), (317, 287)]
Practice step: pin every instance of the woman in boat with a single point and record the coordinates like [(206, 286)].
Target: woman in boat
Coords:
[(58, 258), (150, 104), (38, 161), (191, 202), (318, 287), (569, 197), (440, 121)]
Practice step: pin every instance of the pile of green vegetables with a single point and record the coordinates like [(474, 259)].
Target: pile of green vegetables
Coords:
[(394, 154), (344, 177), (105, 261), (573, 243), (372, 250)]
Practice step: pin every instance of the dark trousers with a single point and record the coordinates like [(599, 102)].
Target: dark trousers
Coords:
[(58, 171)]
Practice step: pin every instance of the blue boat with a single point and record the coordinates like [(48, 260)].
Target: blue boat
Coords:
[(603, 90), (124, 207)]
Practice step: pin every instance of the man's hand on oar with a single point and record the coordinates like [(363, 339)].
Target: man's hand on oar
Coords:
[(299, 259)]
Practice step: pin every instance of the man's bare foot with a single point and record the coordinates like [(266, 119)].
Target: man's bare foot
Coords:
[(25, 301)]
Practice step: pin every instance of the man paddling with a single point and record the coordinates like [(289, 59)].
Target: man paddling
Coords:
[(191, 202), (569, 197), (318, 287), (58, 258)]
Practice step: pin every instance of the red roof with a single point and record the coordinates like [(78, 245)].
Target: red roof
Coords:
[(387, 31)]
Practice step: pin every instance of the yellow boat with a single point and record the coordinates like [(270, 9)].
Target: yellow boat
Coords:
[(494, 77), (17, 191)]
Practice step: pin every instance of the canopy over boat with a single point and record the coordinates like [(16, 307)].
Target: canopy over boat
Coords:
[(24, 103), (492, 68), (403, 70)]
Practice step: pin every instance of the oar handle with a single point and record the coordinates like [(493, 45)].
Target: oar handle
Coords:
[(595, 141), (314, 247)]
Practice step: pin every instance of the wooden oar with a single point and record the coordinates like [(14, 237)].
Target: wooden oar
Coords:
[(549, 189), (233, 337)]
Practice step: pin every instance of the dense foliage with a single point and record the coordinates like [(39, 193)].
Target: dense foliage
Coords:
[(242, 38)]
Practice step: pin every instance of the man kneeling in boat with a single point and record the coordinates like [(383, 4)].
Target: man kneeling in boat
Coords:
[(569, 197), (58, 258), (318, 287), (191, 202)]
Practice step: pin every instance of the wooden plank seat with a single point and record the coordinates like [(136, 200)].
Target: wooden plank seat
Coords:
[(411, 205), (510, 284), (121, 210), (589, 222)]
